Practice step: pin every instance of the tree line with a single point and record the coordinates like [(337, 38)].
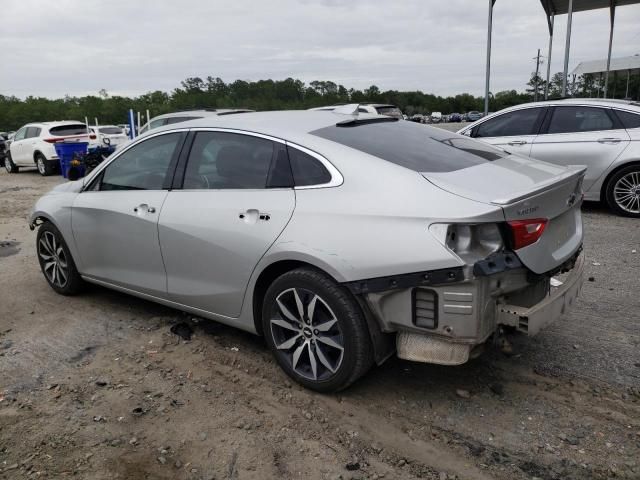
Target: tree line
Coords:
[(195, 92)]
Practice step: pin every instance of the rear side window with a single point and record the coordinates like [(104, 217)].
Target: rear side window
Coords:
[(33, 132), (306, 169), (413, 146), (220, 160), (579, 119), (628, 119), (389, 111), (518, 122), (64, 130)]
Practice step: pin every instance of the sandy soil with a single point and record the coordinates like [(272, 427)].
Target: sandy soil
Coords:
[(97, 387)]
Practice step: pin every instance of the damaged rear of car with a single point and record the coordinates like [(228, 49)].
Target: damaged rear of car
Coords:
[(505, 267)]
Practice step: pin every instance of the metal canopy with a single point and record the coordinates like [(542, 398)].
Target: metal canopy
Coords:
[(600, 66), (560, 7)]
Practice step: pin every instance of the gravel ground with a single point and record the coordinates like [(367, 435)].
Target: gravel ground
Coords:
[(97, 387)]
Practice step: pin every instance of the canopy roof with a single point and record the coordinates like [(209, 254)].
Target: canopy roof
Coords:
[(597, 66), (560, 7)]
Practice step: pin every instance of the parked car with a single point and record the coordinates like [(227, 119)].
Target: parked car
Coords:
[(115, 135), (340, 238), (473, 116), (603, 135), (455, 118), (373, 108), (436, 117), (3, 148), (34, 145), (184, 116)]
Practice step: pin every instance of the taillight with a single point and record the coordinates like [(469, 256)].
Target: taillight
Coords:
[(53, 140), (526, 232), (92, 136)]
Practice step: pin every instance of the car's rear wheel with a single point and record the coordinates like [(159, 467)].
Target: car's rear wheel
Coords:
[(45, 167), (623, 191), (9, 166), (56, 262), (316, 330)]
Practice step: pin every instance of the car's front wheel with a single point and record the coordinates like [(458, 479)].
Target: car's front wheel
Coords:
[(623, 191), (9, 166), (56, 262), (316, 330)]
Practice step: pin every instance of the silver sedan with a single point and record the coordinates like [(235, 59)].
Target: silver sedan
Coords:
[(342, 238)]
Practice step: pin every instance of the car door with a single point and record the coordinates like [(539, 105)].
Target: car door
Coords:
[(232, 205), (514, 130), (115, 220), (30, 144), (581, 135), (17, 146)]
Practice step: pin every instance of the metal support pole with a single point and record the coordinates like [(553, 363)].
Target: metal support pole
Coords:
[(535, 92), (550, 22), (612, 12), (567, 45), (486, 85)]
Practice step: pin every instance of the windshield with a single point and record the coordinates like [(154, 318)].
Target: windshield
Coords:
[(413, 146)]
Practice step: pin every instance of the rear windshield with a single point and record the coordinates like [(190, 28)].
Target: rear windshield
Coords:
[(414, 146), (111, 130), (63, 130), (390, 111)]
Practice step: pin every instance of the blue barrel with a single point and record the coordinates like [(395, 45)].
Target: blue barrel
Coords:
[(66, 151)]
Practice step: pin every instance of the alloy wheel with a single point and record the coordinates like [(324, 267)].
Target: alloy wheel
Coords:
[(40, 164), (626, 192), (54, 261), (7, 164), (307, 333)]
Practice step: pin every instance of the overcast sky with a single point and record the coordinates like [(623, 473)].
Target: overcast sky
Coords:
[(129, 47)]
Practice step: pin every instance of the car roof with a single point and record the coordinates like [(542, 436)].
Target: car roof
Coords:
[(204, 112), (600, 102), (53, 124), (292, 125)]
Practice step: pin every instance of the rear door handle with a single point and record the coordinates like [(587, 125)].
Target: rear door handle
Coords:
[(609, 140), (518, 142)]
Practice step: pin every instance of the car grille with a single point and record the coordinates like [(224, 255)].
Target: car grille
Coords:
[(425, 308)]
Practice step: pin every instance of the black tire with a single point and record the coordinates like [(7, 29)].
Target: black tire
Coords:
[(625, 180), (9, 166), (45, 167), (349, 330), (51, 247)]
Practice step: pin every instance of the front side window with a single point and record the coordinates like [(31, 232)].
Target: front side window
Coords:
[(518, 122), (20, 134), (144, 166), (628, 119), (220, 160), (579, 119)]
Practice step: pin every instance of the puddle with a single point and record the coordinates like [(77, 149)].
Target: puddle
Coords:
[(8, 248)]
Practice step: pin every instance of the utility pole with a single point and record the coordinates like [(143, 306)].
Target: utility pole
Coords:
[(538, 61)]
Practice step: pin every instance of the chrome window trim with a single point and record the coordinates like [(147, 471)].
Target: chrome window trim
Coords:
[(336, 177)]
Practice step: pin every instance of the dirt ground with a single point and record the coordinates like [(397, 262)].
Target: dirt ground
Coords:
[(97, 387)]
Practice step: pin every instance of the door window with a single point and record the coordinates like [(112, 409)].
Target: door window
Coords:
[(628, 119), (518, 122), (579, 119), (145, 166), (20, 134), (220, 160), (32, 132)]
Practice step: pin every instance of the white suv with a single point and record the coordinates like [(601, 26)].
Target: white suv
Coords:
[(34, 145)]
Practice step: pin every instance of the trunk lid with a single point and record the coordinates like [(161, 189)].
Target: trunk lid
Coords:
[(527, 189)]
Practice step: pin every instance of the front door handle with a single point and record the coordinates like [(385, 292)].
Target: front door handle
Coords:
[(252, 216), (609, 140), (518, 142), (144, 208)]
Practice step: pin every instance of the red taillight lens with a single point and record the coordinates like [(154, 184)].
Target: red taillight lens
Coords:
[(53, 140), (92, 136), (526, 232)]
